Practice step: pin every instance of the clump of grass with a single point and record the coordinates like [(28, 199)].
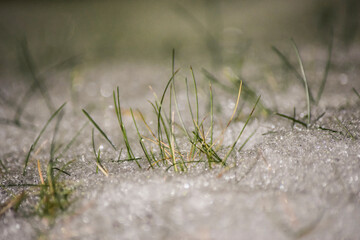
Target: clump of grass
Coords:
[(204, 147), (53, 196), (309, 97), (302, 77)]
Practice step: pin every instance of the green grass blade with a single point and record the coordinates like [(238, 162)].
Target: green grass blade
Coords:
[(61, 171), (38, 137), (188, 99), (172, 85), (307, 90), (141, 140), (211, 116), (196, 95), (241, 132), (73, 139), (291, 67), (159, 110), (356, 92), (292, 119), (93, 147), (3, 166), (23, 102), (35, 75), (294, 116), (179, 114), (98, 128), (326, 72), (116, 97), (64, 167), (246, 141), (345, 128), (56, 129)]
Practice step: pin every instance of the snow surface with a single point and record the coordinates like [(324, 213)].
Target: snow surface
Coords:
[(288, 183)]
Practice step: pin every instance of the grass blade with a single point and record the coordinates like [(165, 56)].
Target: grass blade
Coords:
[(98, 128), (356, 92), (292, 119), (141, 140), (73, 139), (116, 97), (291, 67), (56, 129), (38, 81), (241, 132), (307, 90), (3, 166), (38, 137), (326, 72), (211, 116), (246, 141)]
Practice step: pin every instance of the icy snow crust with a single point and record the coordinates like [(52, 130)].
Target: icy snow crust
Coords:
[(288, 183)]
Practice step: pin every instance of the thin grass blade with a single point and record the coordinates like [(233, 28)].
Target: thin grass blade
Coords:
[(307, 90), (38, 137), (99, 129)]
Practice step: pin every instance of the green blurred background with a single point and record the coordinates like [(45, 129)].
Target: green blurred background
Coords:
[(201, 31)]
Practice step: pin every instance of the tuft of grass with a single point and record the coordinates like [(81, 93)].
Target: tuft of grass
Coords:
[(302, 77), (53, 196), (309, 97), (201, 146), (203, 149)]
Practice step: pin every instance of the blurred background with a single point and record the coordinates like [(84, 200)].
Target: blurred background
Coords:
[(203, 31)]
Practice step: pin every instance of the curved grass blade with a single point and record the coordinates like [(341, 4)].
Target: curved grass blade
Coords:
[(241, 132), (356, 92), (116, 97), (158, 112), (141, 140), (246, 141), (98, 128), (326, 72), (291, 67), (292, 119), (3, 166), (67, 147), (38, 137), (307, 90), (56, 129)]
